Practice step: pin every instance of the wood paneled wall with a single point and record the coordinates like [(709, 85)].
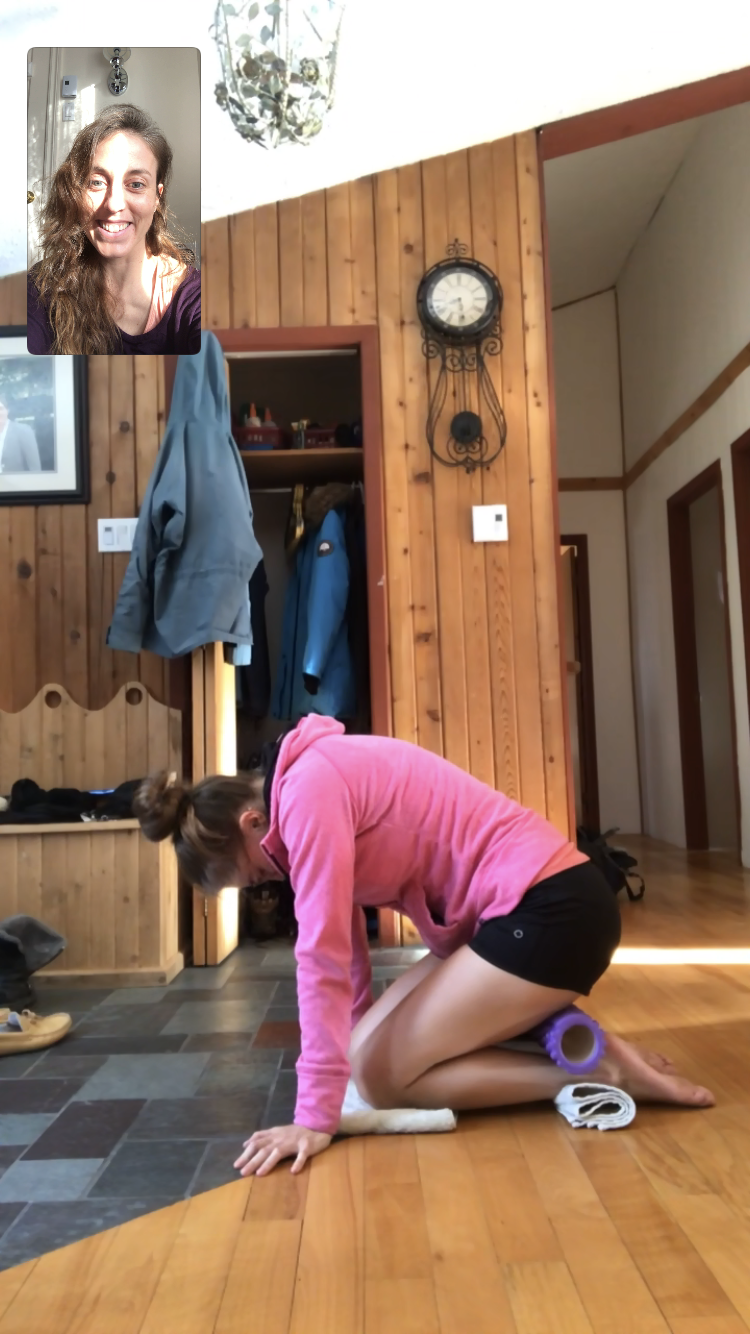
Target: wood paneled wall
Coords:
[(57, 591), (60, 744), (474, 632)]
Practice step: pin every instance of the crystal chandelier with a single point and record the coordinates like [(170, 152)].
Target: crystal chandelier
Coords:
[(279, 64)]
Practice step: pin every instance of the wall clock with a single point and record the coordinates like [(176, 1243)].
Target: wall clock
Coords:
[(459, 303)]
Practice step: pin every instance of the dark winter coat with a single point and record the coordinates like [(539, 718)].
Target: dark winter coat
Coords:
[(316, 672)]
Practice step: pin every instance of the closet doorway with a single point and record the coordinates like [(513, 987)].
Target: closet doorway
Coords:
[(327, 376)]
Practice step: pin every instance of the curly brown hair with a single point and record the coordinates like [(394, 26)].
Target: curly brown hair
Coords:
[(71, 276)]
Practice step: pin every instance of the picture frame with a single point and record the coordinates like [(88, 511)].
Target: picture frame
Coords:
[(44, 437)]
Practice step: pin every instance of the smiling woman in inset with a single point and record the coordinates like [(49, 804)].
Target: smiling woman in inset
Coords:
[(112, 277)]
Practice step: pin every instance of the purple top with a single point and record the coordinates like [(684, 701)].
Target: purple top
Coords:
[(178, 330)]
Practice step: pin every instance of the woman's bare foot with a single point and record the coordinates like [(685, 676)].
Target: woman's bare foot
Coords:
[(648, 1077), (656, 1060)]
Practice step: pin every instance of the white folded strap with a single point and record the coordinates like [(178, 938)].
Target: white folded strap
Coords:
[(358, 1118), (595, 1106)]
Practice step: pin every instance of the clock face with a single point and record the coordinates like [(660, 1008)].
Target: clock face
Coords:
[(460, 301)]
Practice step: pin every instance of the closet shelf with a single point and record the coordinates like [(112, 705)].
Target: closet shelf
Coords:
[(286, 467)]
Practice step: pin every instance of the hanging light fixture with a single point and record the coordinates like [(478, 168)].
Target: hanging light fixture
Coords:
[(279, 65), (117, 81)]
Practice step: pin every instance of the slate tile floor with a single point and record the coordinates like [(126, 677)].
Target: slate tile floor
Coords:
[(150, 1096)]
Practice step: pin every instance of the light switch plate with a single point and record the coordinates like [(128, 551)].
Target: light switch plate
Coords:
[(490, 523), (116, 534)]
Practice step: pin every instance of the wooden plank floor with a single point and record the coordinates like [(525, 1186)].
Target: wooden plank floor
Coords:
[(693, 899), (515, 1224)]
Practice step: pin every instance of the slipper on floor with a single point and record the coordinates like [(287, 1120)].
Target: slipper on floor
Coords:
[(29, 1032), (595, 1106)]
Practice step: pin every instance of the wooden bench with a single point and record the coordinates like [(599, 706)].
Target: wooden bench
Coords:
[(110, 892)]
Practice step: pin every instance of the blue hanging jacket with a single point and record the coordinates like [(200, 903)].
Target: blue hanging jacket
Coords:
[(194, 550), (315, 673)]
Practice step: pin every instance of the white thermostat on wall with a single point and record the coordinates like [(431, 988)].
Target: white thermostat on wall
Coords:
[(116, 534), (70, 85), (490, 523)]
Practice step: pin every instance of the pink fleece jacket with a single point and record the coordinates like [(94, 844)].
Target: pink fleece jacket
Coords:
[(366, 820)]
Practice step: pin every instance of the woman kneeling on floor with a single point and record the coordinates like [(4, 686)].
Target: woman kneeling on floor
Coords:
[(519, 924)]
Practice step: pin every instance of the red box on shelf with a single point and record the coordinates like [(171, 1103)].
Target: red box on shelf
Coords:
[(261, 437), (320, 437)]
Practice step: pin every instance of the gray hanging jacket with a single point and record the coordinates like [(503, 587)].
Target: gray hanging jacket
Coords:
[(194, 550)]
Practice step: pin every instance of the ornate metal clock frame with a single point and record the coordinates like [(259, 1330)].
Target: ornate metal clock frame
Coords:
[(460, 353)]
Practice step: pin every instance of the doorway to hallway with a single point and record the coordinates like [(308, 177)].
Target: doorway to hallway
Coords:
[(741, 477), (703, 658), (580, 677)]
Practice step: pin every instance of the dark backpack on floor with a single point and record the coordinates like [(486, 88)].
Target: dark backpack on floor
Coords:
[(616, 865)]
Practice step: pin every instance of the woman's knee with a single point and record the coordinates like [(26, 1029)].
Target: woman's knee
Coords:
[(368, 1047), (373, 1080)]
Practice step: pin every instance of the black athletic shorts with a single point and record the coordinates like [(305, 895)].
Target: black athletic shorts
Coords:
[(562, 934)]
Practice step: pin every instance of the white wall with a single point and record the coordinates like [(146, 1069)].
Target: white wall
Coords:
[(587, 388), (684, 301), (684, 295), (589, 442), (600, 200), (166, 83)]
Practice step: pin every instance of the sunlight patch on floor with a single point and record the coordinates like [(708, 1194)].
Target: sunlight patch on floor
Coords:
[(709, 955)]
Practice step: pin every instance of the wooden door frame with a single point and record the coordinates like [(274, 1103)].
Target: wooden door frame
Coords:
[(686, 656), (554, 473), (585, 681), (606, 125), (741, 479), (363, 338)]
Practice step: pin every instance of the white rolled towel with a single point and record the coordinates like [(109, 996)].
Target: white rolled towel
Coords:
[(358, 1118), (595, 1106)]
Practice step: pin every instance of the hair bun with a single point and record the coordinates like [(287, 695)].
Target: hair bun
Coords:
[(160, 805)]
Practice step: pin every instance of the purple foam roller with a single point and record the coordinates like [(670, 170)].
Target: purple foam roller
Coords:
[(573, 1040)]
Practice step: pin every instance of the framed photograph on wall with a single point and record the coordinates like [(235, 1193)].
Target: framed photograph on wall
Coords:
[(44, 438)]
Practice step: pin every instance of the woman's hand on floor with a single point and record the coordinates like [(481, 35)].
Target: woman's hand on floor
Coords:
[(266, 1148)]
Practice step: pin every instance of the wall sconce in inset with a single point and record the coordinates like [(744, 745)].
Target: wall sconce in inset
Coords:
[(118, 79)]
